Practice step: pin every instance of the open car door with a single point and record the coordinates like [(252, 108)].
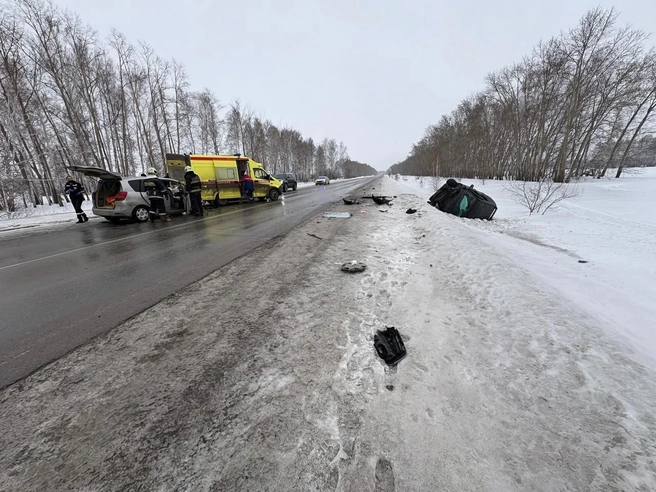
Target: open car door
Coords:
[(174, 199)]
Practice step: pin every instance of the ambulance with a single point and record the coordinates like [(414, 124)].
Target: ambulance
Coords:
[(220, 174)]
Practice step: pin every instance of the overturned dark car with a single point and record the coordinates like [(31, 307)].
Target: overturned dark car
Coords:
[(464, 201)]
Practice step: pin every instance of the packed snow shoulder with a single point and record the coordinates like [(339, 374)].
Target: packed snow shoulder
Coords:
[(508, 384)]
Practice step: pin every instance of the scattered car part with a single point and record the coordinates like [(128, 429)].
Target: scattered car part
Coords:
[(380, 200), (389, 346), (314, 235), (353, 266), (464, 201), (337, 215), (411, 211), (351, 201)]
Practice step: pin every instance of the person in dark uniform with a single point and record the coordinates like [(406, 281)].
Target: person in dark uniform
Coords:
[(75, 192), (248, 186), (155, 190), (193, 187)]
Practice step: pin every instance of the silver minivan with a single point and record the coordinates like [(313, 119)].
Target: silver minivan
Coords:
[(124, 197)]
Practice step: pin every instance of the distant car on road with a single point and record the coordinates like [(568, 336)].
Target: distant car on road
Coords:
[(322, 180), (288, 181), (118, 197)]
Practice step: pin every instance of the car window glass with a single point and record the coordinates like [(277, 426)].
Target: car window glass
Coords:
[(260, 174), (136, 184)]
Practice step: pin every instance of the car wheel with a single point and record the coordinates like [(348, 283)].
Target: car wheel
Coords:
[(294, 188), (140, 214), (274, 194), (284, 188)]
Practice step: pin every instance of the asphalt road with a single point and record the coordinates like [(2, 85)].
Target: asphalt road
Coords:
[(59, 290)]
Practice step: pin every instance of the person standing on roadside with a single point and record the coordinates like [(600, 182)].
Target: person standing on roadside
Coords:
[(155, 190), (193, 188), (75, 192)]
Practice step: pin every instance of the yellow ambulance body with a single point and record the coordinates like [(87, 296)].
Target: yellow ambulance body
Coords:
[(220, 174)]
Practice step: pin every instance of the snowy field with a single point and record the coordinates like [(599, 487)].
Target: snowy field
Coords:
[(526, 370), (612, 226)]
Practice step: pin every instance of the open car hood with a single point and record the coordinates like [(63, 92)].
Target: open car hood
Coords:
[(95, 172)]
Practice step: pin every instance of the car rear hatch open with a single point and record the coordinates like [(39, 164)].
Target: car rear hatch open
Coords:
[(95, 172), (108, 188)]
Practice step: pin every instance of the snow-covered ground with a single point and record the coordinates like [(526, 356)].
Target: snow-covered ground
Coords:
[(253, 380), (40, 215), (612, 226)]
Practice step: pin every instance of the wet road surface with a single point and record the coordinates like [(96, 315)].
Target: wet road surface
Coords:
[(58, 290)]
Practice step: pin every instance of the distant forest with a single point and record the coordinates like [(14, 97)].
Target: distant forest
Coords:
[(580, 103)]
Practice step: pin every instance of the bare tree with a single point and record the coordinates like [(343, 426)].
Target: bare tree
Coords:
[(68, 98), (580, 100), (540, 196)]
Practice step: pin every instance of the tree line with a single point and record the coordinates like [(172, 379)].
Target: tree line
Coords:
[(353, 169), (580, 103), (69, 98)]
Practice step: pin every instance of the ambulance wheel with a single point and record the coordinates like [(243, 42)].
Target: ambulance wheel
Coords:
[(140, 214), (274, 194), (220, 202)]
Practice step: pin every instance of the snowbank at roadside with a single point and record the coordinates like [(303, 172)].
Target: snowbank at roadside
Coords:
[(612, 226), (26, 218), (58, 217), (512, 382)]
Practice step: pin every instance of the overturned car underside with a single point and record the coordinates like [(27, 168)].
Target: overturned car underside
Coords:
[(464, 201)]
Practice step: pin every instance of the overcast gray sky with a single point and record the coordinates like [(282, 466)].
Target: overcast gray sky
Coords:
[(371, 73)]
